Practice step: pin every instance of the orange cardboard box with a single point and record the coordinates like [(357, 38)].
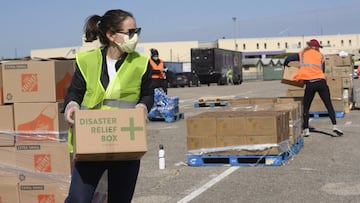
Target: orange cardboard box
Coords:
[(36, 81), (7, 138), (46, 161), (43, 192), (116, 134), (37, 121)]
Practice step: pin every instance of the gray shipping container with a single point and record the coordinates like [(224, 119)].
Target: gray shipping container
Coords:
[(212, 64)]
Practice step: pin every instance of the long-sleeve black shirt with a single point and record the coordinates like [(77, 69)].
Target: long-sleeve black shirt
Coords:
[(77, 87)]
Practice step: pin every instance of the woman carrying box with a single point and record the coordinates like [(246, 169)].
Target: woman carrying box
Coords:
[(111, 76), (311, 71)]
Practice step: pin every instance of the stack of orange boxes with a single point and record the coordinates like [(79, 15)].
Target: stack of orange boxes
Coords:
[(33, 153)]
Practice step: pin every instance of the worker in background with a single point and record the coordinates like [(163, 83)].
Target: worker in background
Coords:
[(312, 68), (229, 76), (158, 71)]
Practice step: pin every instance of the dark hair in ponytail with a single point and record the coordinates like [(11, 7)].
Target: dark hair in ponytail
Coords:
[(97, 26)]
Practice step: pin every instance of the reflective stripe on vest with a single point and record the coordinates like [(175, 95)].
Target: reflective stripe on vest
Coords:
[(308, 64)]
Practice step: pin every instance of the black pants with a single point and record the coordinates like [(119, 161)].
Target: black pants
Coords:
[(160, 83), (122, 177), (323, 89)]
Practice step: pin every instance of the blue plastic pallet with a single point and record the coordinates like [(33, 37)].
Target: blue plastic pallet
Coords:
[(168, 119), (338, 114), (245, 160), (210, 104), (296, 147)]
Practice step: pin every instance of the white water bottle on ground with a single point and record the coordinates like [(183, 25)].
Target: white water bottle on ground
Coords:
[(161, 157)]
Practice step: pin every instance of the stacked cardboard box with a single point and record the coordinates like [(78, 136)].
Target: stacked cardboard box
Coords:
[(291, 104), (341, 68), (246, 122), (32, 151)]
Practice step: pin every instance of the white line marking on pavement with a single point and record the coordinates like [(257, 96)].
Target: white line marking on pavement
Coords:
[(207, 185)]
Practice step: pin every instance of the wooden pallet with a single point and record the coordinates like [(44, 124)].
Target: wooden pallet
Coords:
[(211, 104)]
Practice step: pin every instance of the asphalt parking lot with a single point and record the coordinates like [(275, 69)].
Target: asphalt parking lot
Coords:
[(325, 170)]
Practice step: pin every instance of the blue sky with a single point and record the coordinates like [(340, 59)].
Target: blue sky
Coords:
[(37, 24)]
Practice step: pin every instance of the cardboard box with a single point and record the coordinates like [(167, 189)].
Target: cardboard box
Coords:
[(318, 106), (37, 121), (8, 161), (230, 126), (288, 75), (1, 87), (239, 101), (347, 82), (36, 81), (116, 134), (201, 142), (39, 192), (335, 86), (8, 190), (201, 126), (265, 100), (7, 136), (336, 60), (45, 161), (342, 71)]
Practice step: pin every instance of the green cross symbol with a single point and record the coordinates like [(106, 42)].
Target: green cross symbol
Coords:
[(345, 71), (132, 128)]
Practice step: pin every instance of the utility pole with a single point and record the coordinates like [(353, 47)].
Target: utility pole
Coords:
[(235, 44)]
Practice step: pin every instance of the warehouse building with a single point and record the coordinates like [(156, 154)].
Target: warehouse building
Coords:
[(179, 51)]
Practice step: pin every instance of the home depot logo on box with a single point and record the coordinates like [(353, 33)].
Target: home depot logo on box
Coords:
[(36, 81), (46, 198), (43, 157), (29, 83), (42, 162), (43, 192), (117, 134)]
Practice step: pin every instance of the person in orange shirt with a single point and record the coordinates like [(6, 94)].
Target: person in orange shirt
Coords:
[(158, 71), (312, 68)]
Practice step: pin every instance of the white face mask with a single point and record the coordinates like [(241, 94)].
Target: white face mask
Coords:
[(128, 45), (155, 58)]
